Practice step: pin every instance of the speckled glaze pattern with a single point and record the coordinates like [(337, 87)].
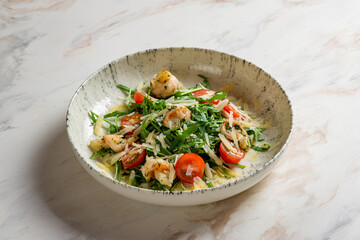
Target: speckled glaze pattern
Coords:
[(99, 92)]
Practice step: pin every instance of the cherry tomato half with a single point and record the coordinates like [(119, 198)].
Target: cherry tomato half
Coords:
[(230, 156), (131, 120), (131, 161), (139, 97), (231, 107), (202, 92), (189, 165)]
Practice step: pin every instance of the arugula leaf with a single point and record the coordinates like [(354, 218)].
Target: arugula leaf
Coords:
[(205, 81), (208, 181), (218, 95), (181, 137), (226, 173), (174, 184), (116, 113), (263, 148), (126, 89), (102, 152), (156, 185), (93, 116), (237, 165), (144, 133)]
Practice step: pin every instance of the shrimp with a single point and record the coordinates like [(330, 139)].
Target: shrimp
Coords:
[(161, 170), (236, 112), (164, 84), (116, 142), (175, 116), (236, 132)]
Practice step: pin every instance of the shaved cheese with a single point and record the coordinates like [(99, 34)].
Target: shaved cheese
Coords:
[(178, 156), (185, 127), (151, 116), (131, 177), (207, 139), (207, 95), (126, 147), (184, 104), (189, 170), (170, 99), (122, 98), (226, 142), (245, 124), (231, 119), (199, 183), (172, 173), (208, 172), (137, 131), (161, 138), (146, 145), (114, 158), (126, 129), (157, 149), (150, 137), (211, 154), (98, 126), (193, 135), (120, 107), (221, 105), (233, 135), (139, 87)]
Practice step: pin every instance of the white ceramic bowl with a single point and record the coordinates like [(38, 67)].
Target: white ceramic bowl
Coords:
[(99, 92)]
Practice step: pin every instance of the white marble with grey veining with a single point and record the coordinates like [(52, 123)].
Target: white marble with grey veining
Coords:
[(47, 48)]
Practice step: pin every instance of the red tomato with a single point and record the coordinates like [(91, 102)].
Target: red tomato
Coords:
[(139, 97), (194, 163), (130, 161), (229, 156), (231, 107), (203, 92), (131, 120)]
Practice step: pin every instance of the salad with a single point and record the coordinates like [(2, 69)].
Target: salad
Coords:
[(167, 137)]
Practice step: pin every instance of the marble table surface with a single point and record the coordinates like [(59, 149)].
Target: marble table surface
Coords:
[(47, 48)]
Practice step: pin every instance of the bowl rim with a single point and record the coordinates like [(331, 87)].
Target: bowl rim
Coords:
[(182, 192)]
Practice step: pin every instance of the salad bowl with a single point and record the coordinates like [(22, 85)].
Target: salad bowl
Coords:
[(250, 83)]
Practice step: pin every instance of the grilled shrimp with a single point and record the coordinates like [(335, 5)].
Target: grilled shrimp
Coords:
[(164, 84), (236, 112), (159, 169), (175, 116), (236, 132), (113, 141)]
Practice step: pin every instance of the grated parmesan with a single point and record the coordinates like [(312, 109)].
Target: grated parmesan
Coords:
[(199, 183), (189, 170), (207, 139), (211, 154), (98, 126), (161, 138), (131, 177), (226, 142), (126, 129), (233, 135), (140, 86), (221, 105), (208, 172)]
